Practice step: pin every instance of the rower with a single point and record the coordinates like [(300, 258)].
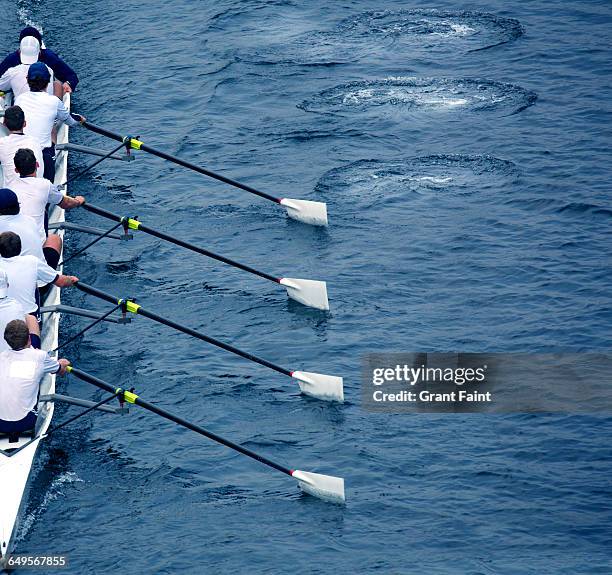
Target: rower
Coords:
[(11, 220), (67, 79), (26, 273), (14, 122), (21, 371), (15, 78), (35, 193), (10, 308), (41, 111)]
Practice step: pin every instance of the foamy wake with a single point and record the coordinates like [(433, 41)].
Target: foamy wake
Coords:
[(25, 13), (54, 492)]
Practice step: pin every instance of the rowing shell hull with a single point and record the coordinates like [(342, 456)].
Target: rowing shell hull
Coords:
[(16, 469)]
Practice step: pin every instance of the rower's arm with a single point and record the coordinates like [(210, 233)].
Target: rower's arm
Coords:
[(63, 115), (51, 365), (5, 81), (56, 197), (63, 364), (68, 202), (63, 281), (10, 61), (62, 71)]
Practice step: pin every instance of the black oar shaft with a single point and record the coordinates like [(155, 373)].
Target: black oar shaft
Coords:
[(187, 330), (180, 162), (180, 421), (162, 236), (204, 252)]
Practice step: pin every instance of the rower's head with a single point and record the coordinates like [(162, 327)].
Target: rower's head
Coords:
[(17, 334), (25, 162), (14, 119), (4, 284), (30, 31), (10, 245), (9, 203), (38, 77), (29, 49)]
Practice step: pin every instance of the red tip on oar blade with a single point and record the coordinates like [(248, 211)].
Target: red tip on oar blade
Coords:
[(313, 213), (319, 385), (311, 293), (326, 487)]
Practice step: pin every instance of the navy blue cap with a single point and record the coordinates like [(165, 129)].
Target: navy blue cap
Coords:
[(38, 70), (8, 198), (30, 31)]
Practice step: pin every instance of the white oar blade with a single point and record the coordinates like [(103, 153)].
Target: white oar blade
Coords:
[(325, 487), (313, 213), (311, 293), (321, 386)]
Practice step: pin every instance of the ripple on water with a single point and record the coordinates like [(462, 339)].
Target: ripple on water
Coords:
[(430, 27), (430, 95), (369, 183), (424, 32)]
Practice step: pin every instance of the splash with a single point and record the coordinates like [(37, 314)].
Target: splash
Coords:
[(54, 492), (25, 9), (373, 183), (422, 95), (416, 33), (430, 28)]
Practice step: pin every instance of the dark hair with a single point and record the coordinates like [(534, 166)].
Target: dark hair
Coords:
[(16, 334), (14, 118), (10, 245), (25, 161), (38, 84), (30, 31)]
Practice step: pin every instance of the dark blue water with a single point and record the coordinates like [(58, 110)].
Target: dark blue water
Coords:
[(465, 159)]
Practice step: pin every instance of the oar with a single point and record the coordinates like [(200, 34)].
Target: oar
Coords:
[(325, 487), (311, 293), (321, 386), (314, 213)]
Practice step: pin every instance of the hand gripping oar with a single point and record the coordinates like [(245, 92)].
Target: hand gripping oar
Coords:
[(321, 386), (325, 487), (311, 293), (314, 213)]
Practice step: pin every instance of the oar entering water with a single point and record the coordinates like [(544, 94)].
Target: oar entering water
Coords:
[(321, 386), (308, 212), (311, 293), (325, 487)]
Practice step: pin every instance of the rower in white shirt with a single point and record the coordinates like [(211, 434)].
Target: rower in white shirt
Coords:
[(26, 273), (16, 78), (21, 371), (35, 193), (14, 122), (10, 308), (42, 111), (11, 220)]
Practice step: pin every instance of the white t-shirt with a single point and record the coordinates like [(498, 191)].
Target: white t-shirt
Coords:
[(8, 148), (16, 79), (34, 194), (10, 309), (20, 375), (24, 274), (41, 111), (25, 227)]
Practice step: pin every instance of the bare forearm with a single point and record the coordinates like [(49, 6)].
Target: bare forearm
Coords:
[(65, 281), (68, 203)]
